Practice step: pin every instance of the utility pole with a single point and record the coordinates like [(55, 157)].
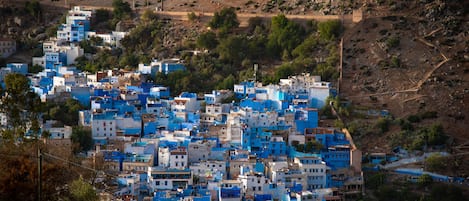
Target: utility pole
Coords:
[(39, 168)]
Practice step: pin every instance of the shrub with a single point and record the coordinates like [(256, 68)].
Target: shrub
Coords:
[(435, 162), (395, 62), (392, 42), (226, 19), (383, 124), (413, 118), (425, 180), (192, 16)]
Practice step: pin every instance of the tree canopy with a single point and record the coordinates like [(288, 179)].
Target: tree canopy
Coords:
[(285, 35), (82, 191), (207, 40), (329, 29), (225, 19), (121, 9), (20, 105), (82, 137)]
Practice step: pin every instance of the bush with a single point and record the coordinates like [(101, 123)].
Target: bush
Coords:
[(226, 19), (192, 17), (435, 135), (395, 62), (329, 29), (376, 180), (413, 118), (383, 124), (392, 42), (435, 163), (207, 40), (425, 180)]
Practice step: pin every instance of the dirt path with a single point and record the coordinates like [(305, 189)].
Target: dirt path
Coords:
[(244, 17)]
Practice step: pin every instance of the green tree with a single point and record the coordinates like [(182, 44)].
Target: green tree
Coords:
[(20, 104), (306, 48), (227, 83), (129, 61), (254, 23), (121, 9), (383, 125), (284, 35), (66, 112), (82, 191), (435, 135), (52, 30), (225, 19), (35, 69), (326, 71), (283, 71), (329, 29), (207, 40), (233, 49), (82, 137), (101, 15), (34, 9)]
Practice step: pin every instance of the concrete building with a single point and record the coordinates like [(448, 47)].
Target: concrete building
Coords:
[(109, 39), (253, 183), (165, 66), (178, 158), (315, 169), (77, 24), (168, 179), (103, 126), (208, 169), (7, 47)]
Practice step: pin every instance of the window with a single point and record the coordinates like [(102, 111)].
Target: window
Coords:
[(254, 188), (157, 183), (259, 188)]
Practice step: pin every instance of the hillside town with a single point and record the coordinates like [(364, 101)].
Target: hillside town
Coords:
[(254, 141), (267, 146)]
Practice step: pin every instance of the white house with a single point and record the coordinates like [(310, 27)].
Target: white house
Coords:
[(253, 183), (57, 132), (206, 169), (315, 169), (168, 179), (103, 126), (112, 39), (200, 150), (178, 158)]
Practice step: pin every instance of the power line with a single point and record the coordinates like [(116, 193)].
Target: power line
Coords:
[(77, 164)]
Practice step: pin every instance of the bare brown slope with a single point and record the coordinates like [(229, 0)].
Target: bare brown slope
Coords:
[(427, 71)]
